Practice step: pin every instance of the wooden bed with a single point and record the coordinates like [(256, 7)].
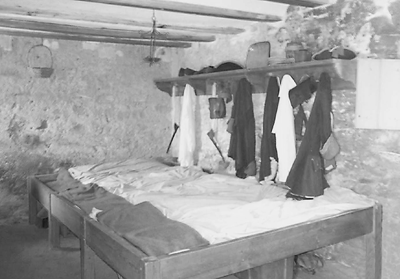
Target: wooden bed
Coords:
[(265, 255)]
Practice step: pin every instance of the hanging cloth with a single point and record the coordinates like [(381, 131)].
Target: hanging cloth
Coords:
[(187, 140), (298, 95), (268, 141), (306, 178), (284, 129), (243, 136)]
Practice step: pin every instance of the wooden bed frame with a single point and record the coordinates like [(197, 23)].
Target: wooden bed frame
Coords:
[(39, 198), (265, 255)]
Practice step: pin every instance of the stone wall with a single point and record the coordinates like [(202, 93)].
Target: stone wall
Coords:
[(99, 104)]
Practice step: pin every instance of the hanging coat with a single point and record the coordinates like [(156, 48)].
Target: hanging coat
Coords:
[(187, 140), (306, 178), (268, 141), (284, 129), (243, 136)]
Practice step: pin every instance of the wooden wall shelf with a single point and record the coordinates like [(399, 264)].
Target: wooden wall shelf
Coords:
[(343, 73)]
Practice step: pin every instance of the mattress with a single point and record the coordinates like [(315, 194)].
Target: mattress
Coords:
[(220, 207)]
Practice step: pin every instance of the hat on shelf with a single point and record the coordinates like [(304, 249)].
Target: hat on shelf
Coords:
[(228, 66), (338, 52)]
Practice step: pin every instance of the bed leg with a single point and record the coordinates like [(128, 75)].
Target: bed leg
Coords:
[(54, 229), (54, 232), (32, 203), (373, 247), (282, 269), (87, 261)]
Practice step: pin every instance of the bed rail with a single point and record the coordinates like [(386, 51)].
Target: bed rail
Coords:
[(269, 247), (250, 257)]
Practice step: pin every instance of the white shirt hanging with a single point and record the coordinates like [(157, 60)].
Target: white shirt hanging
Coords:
[(284, 129), (187, 140)]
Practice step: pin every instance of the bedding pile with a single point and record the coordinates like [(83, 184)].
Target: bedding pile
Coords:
[(143, 225), (220, 207)]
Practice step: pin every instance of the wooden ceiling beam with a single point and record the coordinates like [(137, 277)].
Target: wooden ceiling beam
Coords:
[(72, 27), (304, 3), (63, 14), (204, 29), (188, 8), (102, 39)]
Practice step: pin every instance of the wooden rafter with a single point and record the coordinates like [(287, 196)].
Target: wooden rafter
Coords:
[(61, 10), (130, 21), (190, 9), (74, 37), (304, 3), (72, 27), (197, 29)]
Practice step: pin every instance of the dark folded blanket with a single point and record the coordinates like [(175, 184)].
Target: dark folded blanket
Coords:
[(146, 227), (143, 225)]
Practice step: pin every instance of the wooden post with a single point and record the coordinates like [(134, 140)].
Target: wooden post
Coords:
[(173, 105), (32, 203), (373, 247), (54, 229), (88, 270)]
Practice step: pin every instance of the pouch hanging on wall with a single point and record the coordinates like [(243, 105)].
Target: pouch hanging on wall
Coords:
[(217, 107), (40, 61)]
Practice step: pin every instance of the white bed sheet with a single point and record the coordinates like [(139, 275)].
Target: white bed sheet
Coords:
[(220, 207)]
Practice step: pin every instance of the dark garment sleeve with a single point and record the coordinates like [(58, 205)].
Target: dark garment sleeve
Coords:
[(268, 141), (243, 140), (302, 92), (326, 108)]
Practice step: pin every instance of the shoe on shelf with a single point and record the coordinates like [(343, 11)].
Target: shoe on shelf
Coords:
[(338, 52), (186, 72), (322, 54)]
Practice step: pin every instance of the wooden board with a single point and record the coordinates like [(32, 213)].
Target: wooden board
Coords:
[(123, 257), (378, 100), (244, 253), (67, 213), (305, 3), (342, 72)]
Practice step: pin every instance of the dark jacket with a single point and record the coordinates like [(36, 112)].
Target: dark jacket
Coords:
[(268, 141), (306, 177), (243, 139)]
